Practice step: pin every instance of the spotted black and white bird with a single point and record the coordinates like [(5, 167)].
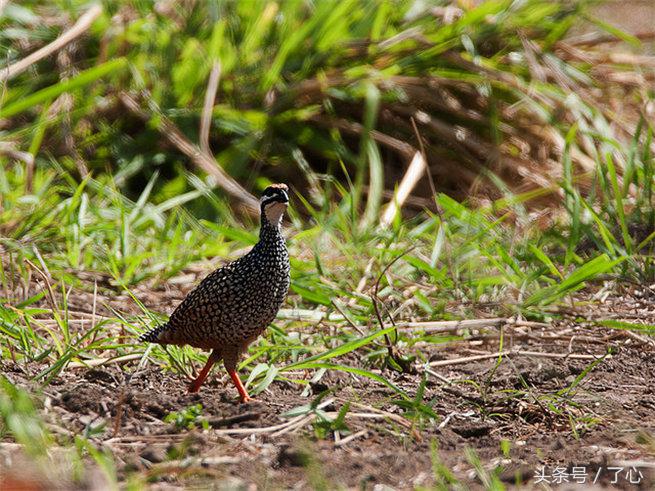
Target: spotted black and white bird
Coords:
[(233, 305)]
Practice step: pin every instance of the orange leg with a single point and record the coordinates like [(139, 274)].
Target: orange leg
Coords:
[(237, 382), (213, 358)]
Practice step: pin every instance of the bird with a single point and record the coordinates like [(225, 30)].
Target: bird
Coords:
[(234, 304)]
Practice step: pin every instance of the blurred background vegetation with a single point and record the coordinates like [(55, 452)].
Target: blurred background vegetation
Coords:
[(314, 92)]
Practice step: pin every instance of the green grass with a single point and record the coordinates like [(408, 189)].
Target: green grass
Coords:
[(142, 217), (466, 254)]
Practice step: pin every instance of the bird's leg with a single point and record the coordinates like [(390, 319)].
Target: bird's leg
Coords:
[(231, 358), (237, 381), (213, 358)]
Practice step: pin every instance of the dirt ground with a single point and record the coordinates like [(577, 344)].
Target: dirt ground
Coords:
[(547, 407)]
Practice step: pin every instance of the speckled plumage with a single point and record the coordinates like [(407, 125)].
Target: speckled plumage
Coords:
[(233, 305)]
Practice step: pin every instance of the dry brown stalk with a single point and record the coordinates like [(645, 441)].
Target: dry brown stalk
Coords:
[(391, 347), (593, 38), (537, 354), (46, 278), (98, 362), (192, 462), (350, 438), (272, 429), (8, 149), (81, 26), (352, 127), (210, 99), (200, 159), (395, 417), (414, 172), (450, 326)]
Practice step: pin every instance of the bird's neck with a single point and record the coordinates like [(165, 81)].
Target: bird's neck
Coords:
[(271, 217), (270, 231)]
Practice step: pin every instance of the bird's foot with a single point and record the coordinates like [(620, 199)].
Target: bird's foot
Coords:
[(245, 399)]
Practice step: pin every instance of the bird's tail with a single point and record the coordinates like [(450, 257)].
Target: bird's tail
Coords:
[(152, 336)]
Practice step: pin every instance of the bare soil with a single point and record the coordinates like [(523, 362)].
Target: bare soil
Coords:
[(543, 403)]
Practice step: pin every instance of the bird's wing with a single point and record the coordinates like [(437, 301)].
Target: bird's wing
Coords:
[(207, 293)]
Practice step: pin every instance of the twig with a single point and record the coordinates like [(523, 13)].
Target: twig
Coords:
[(635, 463), (307, 315), (571, 356), (350, 438), (421, 147), (639, 337), (632, 59), (41, 261), (255, 431), (395, 417), (354, 128), (433, 190), (203, 161), (271, 429), (189, 462), (446, 420), (126, 439), (599, 38), (45, 277), (537, 354), (59, 429), (97, 362), (410, 33), (375, 299), (305, 420), (409, 180), (93, 310), (8, 149), (527, 387), (439, 376), (530, 50), (456, 392), (450, 326), (335, 304), (82, 24), (333, 414), (64, 106), (362, 282), (84, 316), (210, 99)]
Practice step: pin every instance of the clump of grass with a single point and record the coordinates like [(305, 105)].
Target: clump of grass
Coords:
[(20, 420), (312, 87), (189, 418)]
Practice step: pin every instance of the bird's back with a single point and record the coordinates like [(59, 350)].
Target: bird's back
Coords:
[(234, 303)]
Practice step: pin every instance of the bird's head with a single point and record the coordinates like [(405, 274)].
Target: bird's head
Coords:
[(274, 202)]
